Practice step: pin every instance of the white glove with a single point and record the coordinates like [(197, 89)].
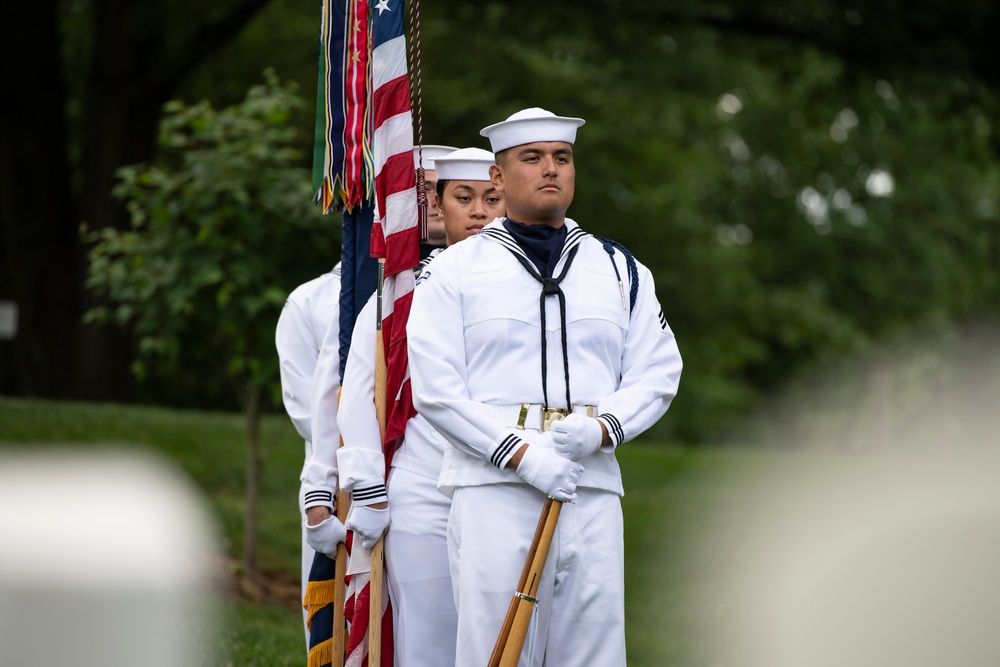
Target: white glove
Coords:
[(576, 436), (550, 473), (326, 535), (367, 523)]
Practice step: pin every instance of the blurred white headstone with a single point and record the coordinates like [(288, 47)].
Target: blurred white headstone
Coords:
[(875, 540), (106, 560), (8, 320)]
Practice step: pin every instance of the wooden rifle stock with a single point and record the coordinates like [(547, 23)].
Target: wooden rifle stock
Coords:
[(507, 650)]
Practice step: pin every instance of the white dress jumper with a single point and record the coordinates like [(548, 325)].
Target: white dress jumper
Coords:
[(475, 352)]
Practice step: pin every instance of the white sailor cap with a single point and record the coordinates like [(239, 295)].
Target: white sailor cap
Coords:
[(466, 164), (531, 125), (430, 152)]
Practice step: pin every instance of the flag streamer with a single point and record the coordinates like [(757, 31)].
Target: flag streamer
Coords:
[(346, 181)]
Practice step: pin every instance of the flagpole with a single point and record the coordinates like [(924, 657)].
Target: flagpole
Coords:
[(339, 637), (378, 554)]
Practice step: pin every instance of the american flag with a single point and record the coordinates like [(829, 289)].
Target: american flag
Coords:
[(357, 609), (396, 234)]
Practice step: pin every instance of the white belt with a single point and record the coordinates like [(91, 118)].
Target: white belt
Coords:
[(532, 416), (416, 466)]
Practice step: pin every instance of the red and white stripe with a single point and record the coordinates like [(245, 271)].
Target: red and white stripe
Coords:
[(356, 609), (396, 235)]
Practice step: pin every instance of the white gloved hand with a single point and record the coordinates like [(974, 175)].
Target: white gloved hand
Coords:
[(549, 472), (576, 436), (326, 535), (367, 523)]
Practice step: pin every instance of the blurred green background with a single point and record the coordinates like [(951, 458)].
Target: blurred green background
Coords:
[(814, 185)]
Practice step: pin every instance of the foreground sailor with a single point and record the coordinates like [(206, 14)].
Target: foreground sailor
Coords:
[(416, 553), (531, 321)]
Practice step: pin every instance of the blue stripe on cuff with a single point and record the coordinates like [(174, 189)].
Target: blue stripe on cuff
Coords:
[(503, 452), (369, 495), (614, 428), (319, 495)]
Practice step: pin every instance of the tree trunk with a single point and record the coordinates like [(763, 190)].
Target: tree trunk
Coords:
[(43, 200), (40, 255), (254, 464), (122, 113)]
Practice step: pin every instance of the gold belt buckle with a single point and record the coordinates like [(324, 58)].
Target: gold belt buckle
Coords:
[(522, 416), (550, 415)]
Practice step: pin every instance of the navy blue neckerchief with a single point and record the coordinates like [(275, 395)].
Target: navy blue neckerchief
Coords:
[(541, 243)]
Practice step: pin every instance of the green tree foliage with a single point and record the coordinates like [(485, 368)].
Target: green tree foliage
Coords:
[(219, 229), (794, 199)]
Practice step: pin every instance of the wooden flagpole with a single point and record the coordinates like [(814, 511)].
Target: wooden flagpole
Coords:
[(378, 554), (339, 636)]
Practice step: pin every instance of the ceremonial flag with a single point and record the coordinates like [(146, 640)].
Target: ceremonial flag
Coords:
[(357, 609), (343, 178), (318, 602)]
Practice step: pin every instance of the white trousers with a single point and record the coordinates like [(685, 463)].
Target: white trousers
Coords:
[(416, 556), (580, 616)]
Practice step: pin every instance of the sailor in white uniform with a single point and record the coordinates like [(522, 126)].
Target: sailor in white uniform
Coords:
[(537, 349), (310, 311), (319, 474), (416, 553)]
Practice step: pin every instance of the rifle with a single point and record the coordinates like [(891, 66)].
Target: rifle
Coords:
[(507, 650)]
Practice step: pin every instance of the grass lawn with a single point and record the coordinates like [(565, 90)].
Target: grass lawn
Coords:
[(674, 497)]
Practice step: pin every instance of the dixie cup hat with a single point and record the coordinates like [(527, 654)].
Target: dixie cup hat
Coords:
[(530, 125), (466, 164), (429, 153)]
